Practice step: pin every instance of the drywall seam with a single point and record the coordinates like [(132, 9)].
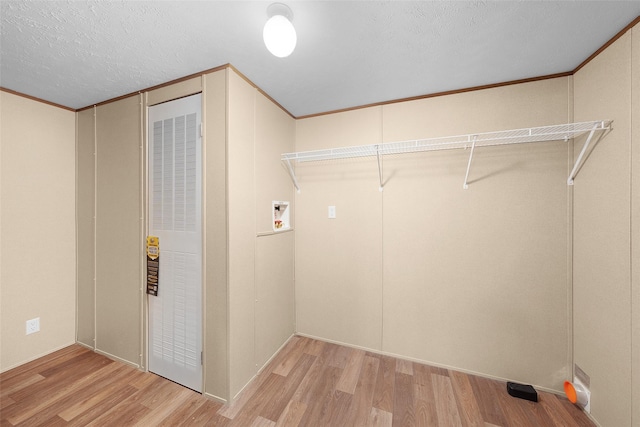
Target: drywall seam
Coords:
[(382, 233), (420, 361), (1, 370), (570, 157), (203, 214), (631, 332), (255, 227), (632, 225), (95, 226), (77, 234)]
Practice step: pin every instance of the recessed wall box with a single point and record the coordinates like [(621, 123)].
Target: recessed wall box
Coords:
[(578, 394), (281, 217), (522, 391)]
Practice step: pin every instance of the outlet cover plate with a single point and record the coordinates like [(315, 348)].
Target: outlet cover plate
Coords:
[(33, 325)]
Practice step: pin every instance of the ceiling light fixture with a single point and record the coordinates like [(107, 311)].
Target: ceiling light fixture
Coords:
[(278, 34)]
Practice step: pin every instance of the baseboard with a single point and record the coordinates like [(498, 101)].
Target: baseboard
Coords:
[(31, 359), (259, 371), (427, 362), (119, 359), (81, 344), (215, 398)]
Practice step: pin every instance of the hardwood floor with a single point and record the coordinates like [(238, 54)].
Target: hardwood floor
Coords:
[(309, 383)]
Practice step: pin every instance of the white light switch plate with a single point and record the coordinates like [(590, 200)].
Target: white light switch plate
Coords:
[(332, 212)]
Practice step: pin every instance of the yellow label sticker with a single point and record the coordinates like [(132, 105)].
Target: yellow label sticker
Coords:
[(153, 247)]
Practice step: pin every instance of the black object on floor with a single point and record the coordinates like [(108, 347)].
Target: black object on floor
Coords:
[(522, 391)]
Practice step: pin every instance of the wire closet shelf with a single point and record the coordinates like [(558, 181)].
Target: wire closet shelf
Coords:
[(562, 132)]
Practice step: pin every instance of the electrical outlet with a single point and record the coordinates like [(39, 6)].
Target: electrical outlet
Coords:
[(33, 325), (332, 212)]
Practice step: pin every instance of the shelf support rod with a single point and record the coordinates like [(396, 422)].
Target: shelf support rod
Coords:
[(466, 177), (574, 171), (292, 174), (380, 188)]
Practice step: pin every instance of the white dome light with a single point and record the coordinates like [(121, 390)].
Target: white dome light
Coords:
[(278, 34)]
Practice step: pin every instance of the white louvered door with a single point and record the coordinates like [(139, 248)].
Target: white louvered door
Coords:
[(175, 216)]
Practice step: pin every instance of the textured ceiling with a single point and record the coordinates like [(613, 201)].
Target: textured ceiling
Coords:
[(349, 53)]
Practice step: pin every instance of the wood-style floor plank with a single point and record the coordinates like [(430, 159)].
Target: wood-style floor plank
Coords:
[(294, 352), (58, 383), (279, 402), (166, 408), (490, 407), (305, 391), (468, 409), (114, 398), (184, 412), (292, 414), (446, 406), (103, 389), (380, 418), (308, 383), (338, 355), (424, 397), (580, 418), (321, 393), (314, 347), (19, 382), (43, 363), (362, 401), (262, 422), (516, 410), (252, 409), (351, 371), (60, 401), (403, 409), (336, 409), (206, 414), (232, 409), (404, 367), (385, 384)]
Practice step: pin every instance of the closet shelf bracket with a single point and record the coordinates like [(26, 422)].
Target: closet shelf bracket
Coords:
[(466, 176), (380, 188), (596, 126), (292, 174)]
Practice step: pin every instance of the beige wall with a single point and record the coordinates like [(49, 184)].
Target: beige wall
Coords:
[(604, 312), (242, 230), (118, 229), (85, 226), (274, 286), (216, 348), (38, 243), (260, 269), (339, 261), (425, 269), (248, 302), (109, 226)]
